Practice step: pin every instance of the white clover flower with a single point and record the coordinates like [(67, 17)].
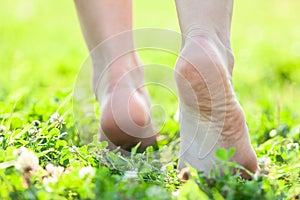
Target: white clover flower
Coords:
[(273, 133), (47, 181), (2, 128), (50, 168), (17, 152), (26, 160), (264, 161), (58, 119), (86, 171), (130, 175), (33, 131), (58, 171), (54, 171), (55, 117)]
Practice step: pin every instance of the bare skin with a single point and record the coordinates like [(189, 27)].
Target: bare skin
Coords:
[(124, 74), (207, 99), (211, 116), (214, 108)]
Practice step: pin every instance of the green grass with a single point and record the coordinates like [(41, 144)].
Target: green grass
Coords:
[(41, 53)]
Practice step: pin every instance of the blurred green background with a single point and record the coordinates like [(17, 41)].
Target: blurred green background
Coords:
[(42, 49)]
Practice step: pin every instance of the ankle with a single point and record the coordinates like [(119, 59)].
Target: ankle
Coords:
[(126, 68), (200, 54), (209, 43)]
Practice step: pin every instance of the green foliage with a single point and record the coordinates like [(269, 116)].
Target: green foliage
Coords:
[(91, 171), (41, 51), (190, 190)]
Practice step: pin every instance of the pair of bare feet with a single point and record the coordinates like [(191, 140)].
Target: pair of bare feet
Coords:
[(210, 115)]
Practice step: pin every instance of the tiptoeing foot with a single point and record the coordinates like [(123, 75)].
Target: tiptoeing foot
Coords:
[(125, 105), (211, 116)]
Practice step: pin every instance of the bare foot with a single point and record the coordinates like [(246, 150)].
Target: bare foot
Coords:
[(211, 116), (125, 105)]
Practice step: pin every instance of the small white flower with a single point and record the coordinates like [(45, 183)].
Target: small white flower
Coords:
[(264, 161), (26, 161), (86, 171), (130, 175), (47, 181), (17, 152), (2, 128), (33, 131), (58, 171), (55, 117), (50, 168), (273, 133), (54, 173)]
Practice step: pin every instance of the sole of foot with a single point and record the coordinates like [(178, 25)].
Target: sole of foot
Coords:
[(211, 116)]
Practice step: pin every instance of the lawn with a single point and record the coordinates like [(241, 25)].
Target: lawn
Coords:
[(41, 54)]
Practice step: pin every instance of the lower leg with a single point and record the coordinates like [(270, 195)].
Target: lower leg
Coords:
[(211, 116), (117, 72)]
